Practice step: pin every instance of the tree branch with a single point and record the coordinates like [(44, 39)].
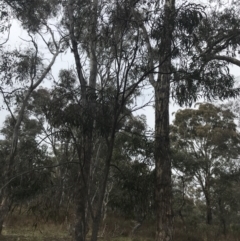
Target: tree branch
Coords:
[(225, 58)]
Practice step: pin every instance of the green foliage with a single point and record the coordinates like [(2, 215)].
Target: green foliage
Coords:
[(27, 182), (205, 141), (200, 36), (189, 17), (33, 14), (213, 130), (206, 147), (132, 193)]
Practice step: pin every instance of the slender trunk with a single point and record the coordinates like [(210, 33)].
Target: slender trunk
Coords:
[(208, 199), (82, 187), (209, 209), (163, 191), (82, 81), (88, 105), (9, 170), (92, 49), (98, 216), (3, 213), (95, 228), (87, 99), (222, 217), (81, 227), (4, 194), (1, 223)]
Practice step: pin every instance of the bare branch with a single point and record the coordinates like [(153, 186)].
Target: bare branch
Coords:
[(149, 47), (8, 107), (225, 58)]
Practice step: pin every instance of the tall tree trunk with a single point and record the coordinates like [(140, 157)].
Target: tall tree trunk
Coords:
[(207, 194), (209, 207), (80, 222), (82, 186), (88, 106), (3, 213), (98, 216), (223, 225), (163, 191)]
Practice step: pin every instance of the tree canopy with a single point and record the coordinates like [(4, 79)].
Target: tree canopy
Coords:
[(84, 124)]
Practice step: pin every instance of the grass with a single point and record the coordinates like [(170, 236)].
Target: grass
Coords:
[(22, 227), (43, 233)]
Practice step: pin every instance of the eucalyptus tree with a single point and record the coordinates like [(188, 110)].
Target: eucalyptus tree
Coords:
[(169, 46), (185, 44), (226, 199), (22, 71), (25, 183), (105, 43), (209, 143), (65, 119), (51, 107), (116, 45)]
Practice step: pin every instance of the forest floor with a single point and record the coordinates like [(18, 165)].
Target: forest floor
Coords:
[(24, 227), (30, 233)]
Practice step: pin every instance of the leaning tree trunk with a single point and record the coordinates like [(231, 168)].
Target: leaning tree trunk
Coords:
[(5, 191), (163, 191)]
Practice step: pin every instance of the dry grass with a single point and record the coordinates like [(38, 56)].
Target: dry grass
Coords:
[(25, 228), (22, 227)]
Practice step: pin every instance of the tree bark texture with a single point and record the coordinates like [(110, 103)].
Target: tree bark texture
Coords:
[(163, 191), (209, 207)]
